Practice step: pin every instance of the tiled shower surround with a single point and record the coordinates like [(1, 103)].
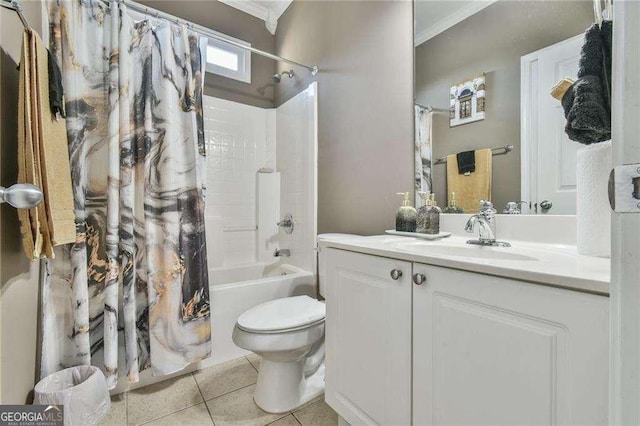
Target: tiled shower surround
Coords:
[(242, 139), (296, 152)]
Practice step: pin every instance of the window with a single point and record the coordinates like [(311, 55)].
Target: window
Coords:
[(228, 60)]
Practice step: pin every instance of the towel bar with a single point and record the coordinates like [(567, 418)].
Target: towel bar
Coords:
[(494, 151), (21, 195)]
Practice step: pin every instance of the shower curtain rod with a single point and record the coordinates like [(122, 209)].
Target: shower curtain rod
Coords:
[(210, 33), (15, 5)]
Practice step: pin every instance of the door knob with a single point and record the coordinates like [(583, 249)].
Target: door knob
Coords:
[(546, 205), (419, 279), (396, 274)]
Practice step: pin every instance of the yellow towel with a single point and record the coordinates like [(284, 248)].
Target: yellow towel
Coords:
[(474, 187), (43, 158)]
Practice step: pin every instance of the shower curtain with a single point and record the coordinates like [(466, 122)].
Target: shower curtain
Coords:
[(132, 292), (423, 121)]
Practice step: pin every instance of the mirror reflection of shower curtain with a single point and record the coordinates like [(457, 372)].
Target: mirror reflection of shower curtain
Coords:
[(423, 153), (132, 292)]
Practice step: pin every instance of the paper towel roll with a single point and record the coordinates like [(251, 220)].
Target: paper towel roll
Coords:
[(593, 212)]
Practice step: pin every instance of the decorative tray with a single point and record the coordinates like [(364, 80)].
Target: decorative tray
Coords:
[(418, 235)]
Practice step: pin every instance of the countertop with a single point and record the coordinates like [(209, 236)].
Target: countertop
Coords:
[(541, 263)]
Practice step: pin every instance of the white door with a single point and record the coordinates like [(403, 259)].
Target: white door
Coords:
[(368, 338), (495, 351), (548, 156), (625, 244)]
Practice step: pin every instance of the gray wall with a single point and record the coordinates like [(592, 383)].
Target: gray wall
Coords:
[(18, 277), (365, 130), (225, 19), (492, 42)]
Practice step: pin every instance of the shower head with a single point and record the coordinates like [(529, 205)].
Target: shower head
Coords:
[(278, 77)]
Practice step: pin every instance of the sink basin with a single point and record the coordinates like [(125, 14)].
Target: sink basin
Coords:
[(466, 251)]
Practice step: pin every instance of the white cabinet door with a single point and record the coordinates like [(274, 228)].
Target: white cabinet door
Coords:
[(495, 351), (368, 338)]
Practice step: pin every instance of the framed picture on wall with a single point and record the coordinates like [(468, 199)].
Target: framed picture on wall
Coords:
[(467, 101)]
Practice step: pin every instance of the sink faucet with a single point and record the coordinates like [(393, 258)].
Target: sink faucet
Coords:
[(282, 253), (486, 220)]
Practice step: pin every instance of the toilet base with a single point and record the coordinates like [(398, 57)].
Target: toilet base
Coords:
[(282, 387)]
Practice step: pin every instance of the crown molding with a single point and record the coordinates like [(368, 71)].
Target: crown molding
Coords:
[(269, 15), (451, 20)]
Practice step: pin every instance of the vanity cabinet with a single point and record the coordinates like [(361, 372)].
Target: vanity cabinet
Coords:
[(460, 348), (368, 338), (496, 351)]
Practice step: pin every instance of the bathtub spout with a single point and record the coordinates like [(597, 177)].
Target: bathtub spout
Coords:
[(282, 253)]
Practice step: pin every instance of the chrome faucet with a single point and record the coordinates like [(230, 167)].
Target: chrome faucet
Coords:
[(486, 220), (282, 253)]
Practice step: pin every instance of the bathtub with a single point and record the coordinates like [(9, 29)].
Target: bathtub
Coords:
[(232, 291), (235, 289)]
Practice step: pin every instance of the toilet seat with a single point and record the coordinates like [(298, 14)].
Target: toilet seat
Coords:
[(282, 315)]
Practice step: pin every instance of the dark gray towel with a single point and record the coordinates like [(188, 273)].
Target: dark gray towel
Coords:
[(466, 162), (606, 32), (587, 103), (56, 92), (592, 54), (584, 108)]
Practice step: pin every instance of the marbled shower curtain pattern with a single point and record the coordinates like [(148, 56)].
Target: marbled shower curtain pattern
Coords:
[(132, 292), (423, 120)]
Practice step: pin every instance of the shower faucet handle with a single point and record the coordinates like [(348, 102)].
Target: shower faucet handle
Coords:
[(287, 224)]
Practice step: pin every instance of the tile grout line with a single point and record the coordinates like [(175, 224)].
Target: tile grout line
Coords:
[(235, 390), (167, 415), (126, 407), (251, 364), (177, 411), (204, 401)]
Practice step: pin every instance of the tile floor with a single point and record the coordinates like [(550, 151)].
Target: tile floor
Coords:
[(221, 395)]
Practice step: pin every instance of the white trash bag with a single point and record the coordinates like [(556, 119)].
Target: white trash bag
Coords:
[(81, 390)]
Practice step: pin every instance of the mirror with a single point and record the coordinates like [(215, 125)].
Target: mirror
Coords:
[(483, 73)]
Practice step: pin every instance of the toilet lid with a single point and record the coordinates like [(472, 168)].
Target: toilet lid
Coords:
[(282, 314)]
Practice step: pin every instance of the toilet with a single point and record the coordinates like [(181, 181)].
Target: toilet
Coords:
[(288, 334)]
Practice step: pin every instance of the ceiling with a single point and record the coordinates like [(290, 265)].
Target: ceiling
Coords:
[(432, 16), (435, 16), (267, 10)]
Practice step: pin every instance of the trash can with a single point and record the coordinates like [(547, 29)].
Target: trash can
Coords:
[(81, 390)]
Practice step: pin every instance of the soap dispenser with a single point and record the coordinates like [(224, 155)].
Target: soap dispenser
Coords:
[(422, 222), (452, 207), (434, 216), (406, 215)]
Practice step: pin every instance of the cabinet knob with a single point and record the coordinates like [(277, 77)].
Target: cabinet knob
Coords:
[(419, 279), (396, 274)]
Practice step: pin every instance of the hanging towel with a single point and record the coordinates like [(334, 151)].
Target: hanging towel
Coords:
[(43, 157), (586, 111), (471, 188), (56, 92), (587, 103), (466, 162)]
